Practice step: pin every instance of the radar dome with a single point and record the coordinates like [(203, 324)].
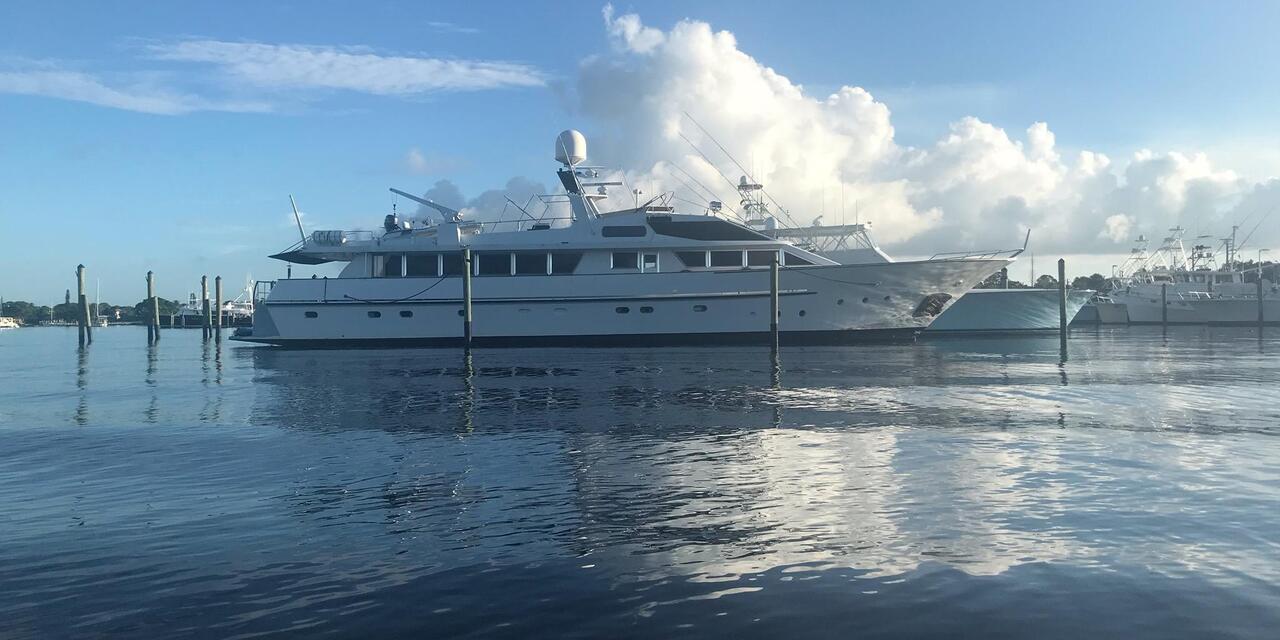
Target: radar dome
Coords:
[(571, 147)]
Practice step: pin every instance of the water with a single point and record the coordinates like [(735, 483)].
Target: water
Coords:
[(953, 487)]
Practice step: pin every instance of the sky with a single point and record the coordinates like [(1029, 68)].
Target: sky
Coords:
[(168, 137)]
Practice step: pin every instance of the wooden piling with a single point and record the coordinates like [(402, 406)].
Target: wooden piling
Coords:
[(153, 321), (1164, 305), (1062, 304), (774, 308), (217, 305), (1261, 319), (466, 297), (82, 311), (205, 325)]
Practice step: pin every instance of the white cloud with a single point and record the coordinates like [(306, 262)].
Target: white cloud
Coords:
[(976, 186), (293, 66), (84, 87), (449, 27), (426, 164)]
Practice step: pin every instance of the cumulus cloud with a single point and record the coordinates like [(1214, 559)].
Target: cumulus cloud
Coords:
[(294, 66), (977, 186)]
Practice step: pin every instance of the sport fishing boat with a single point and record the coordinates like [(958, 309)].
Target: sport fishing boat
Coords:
[(1167, 285), (640, 275)]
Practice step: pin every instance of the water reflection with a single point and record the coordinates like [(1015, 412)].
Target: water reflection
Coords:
[(621, 485)]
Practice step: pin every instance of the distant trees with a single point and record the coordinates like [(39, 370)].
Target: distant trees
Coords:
[(32, 314), (1097, 282)]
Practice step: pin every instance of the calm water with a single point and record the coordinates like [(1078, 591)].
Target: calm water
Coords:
[(960, 487)]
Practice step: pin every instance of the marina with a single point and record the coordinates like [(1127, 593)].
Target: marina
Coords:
[(698, 320)]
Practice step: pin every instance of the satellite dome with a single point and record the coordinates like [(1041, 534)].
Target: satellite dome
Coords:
[(571, 147), (742, 181)]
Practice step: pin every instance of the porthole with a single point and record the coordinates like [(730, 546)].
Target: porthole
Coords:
[(840, 301), (406, 314), (375, 314), (461, 313), (622, 309), (312, 314), (866, 300), (699, 308), (802, 313), (646, 309)]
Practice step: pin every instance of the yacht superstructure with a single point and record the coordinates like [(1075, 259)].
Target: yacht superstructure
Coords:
[(646, 275)]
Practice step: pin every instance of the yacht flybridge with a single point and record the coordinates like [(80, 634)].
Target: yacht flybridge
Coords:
[(643, 275)]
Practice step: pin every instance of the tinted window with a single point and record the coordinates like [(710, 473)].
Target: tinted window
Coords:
[(622, 309), (564, 262), (793, 259), (406, 314), (452, 264), (704, 229), (693, 259), (311, 314), (625, 260), (620, 231), (651, 262), (375, 314), (531, 263), (494, 264), (699, 308), (646, 309), (760, 258), (421, 264), (391, 265), (726, 258)]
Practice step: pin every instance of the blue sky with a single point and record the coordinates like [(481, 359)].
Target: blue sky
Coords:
[(168, 136)]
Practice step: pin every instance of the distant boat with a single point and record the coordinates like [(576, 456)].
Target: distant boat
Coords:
[(1167, 285), (9, 323)]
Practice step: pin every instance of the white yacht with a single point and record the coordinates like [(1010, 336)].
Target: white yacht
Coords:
[(7, 322), (643, 275), (1168, 285)]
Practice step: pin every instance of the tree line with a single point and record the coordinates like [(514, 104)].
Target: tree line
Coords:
[(1096, 282), (29, 314)]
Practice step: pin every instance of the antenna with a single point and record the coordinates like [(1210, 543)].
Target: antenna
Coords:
[(782, 210), (297, 218)]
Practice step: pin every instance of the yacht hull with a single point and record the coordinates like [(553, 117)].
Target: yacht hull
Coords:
[(832, 303), (1007, 310)]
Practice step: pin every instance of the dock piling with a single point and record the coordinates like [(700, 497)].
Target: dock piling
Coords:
[(1261, 318), (153, 322), (204, 307), (1164, 305), (1062, 304), (774, 309), (466, 297), (217, 305), (82, 310)]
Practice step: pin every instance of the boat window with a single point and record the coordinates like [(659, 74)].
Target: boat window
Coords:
[(421, 265), (625, 259), (650, 262), (622, 309), (646, 309), (703, 229), (528, 263), (388, 266), (565, 262), (451, 264), (726, 258), (699, 308), (623, 231), (760, 258), (311, 314), (406, 314), (375, 314), (693, 259), (792, 259), (1222, 278), (493, 264)]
